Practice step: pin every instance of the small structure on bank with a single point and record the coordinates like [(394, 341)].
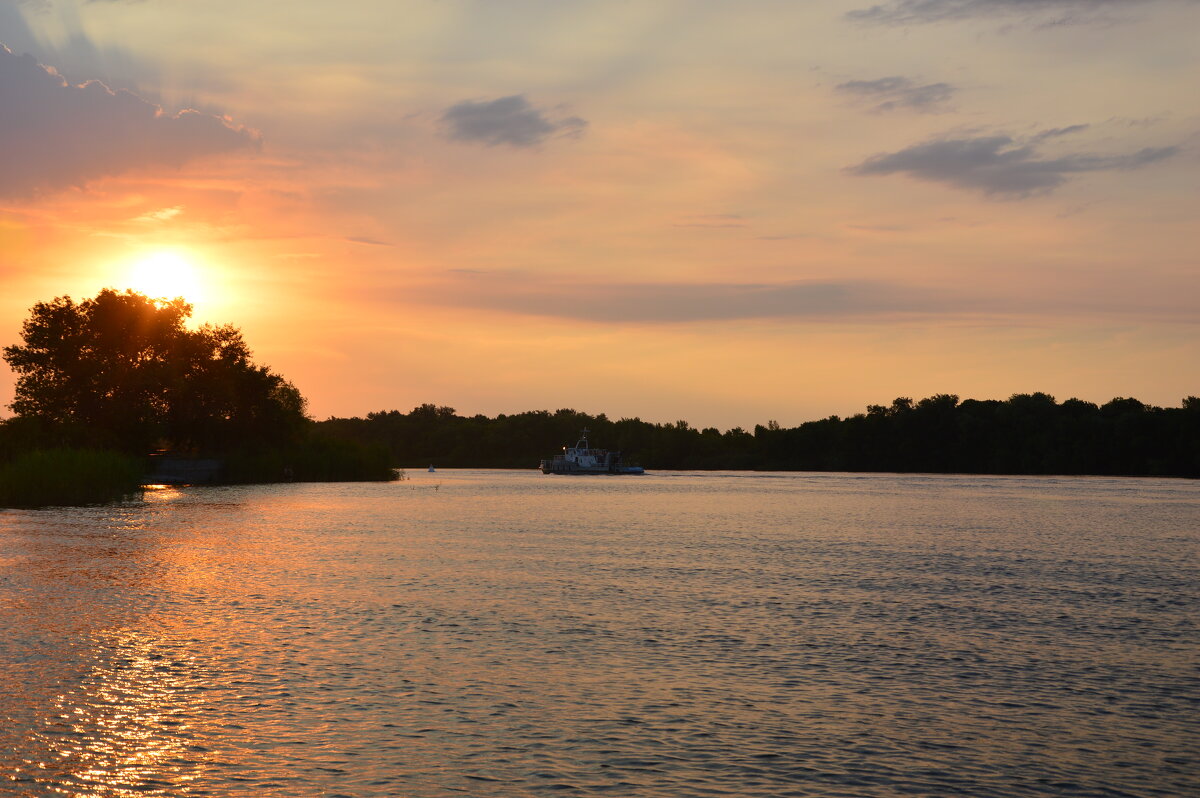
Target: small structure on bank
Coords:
[(172, 470)]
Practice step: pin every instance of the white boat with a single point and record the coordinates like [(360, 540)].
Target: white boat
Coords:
[(583, 459)]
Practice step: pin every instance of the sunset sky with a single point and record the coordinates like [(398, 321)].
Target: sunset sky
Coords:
[(724, 212)]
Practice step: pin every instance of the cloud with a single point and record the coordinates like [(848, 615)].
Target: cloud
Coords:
[(1055, 132), (713, 220), (371, 242), (909, 12), (710, 225), (14, 30), (998, 165), (897, 92), (73, 52), (507, 120), (161, 215), (55, 135), (679, 302), (827, 301)]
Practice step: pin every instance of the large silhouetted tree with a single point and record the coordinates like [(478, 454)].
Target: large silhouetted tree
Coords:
[(121, 370)]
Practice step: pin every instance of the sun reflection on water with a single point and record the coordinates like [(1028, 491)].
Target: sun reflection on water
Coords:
[(727, 635), (128, 727), (161, 494)]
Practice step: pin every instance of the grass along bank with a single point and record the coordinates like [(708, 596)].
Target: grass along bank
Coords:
[(62, 476), (51, 477)]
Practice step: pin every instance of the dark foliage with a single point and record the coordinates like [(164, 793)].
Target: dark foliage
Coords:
[(68, 476), (318, 458), (1027, 434), (120, 371)]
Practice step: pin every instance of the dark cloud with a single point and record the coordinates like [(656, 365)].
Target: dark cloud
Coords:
[(54, 135), (507, 120), (14, 30), (908, 12), (681, 302), (74, 55), (897, 92), (998, 165)]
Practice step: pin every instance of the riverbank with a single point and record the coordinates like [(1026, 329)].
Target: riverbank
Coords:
[(56, 477), (66, 477)]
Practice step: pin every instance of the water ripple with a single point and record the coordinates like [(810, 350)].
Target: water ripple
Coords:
[(681, 635)]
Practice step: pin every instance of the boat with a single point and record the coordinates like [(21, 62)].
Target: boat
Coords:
[(583, 459), (431, 468)]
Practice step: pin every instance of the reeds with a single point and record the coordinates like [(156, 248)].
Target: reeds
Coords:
[(53, 477)]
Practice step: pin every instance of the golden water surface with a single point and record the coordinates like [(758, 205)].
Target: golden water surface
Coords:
[(513, 634)]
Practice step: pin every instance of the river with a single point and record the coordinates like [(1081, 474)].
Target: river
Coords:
[(506, 633)]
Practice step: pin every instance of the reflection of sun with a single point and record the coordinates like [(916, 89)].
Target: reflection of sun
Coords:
[(166, 275)]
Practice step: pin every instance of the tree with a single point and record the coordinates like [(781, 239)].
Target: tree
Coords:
[(121, 370)]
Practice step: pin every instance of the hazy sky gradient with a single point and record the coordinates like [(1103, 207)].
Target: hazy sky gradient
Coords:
[(724, 212)]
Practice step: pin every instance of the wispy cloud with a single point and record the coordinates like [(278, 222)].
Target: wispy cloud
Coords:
[(999, 166), (54, 135), (900, 93), (1055, 132), (713, 220), (371, 242), (512, 121), (910, 12), (680, 302), (161, 215), (825, 301), (878, 228)]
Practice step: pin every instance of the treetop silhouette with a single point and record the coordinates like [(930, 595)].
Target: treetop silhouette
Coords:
[(121, 370)]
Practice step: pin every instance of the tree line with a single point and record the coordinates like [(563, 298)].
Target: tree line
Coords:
[(1024, 434), (121, 372)]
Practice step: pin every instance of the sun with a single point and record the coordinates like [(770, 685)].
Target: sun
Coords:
[(167, 275)]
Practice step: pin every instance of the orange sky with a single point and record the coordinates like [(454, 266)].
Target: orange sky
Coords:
[(720, 212)]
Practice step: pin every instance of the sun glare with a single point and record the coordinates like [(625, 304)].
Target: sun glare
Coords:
[(166, 275)]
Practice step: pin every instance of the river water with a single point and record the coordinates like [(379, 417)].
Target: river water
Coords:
[(506, 633)]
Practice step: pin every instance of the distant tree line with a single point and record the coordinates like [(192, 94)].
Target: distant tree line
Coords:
[(1025, 434), (122, 373)]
